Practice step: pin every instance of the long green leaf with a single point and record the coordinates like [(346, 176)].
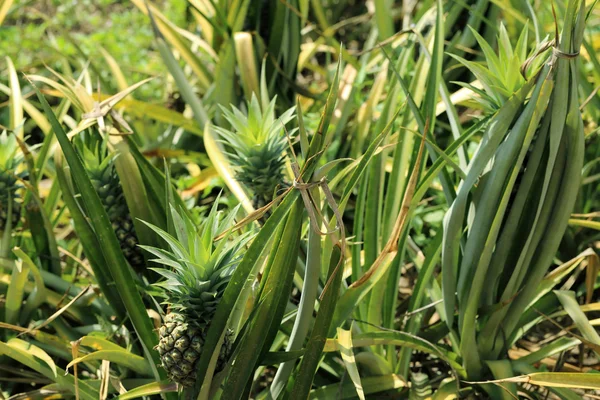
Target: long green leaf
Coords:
[(235, 285), (116, 262), (149, 390), (569, 302), (88, 238), (398, 338), (304, 375), (371, 386), (122, 357), (265, 323), (345, 343)]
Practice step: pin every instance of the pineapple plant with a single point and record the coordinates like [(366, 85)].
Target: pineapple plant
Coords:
[(511, 211), (258, 144), (199, 269), (99, 164)]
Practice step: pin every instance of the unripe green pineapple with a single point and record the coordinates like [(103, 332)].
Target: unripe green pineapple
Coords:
[(101, 169), (258, 142), (199, 270), (180, 346)]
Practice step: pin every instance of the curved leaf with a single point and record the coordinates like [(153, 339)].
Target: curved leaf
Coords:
[(21, 351), (148, 390), (371, 384), (121, 357), (400, 339), (98, 343), (115, 260), (345, 345), (34, 351)]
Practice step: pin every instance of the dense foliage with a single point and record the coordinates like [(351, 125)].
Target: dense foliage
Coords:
[(231, 199)]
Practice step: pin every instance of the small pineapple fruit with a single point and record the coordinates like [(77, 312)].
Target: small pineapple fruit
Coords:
[(198, 272), (10, 208), (101, 169), (258, 142)]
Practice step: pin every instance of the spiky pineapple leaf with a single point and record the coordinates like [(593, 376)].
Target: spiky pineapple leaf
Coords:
[(231, 294), (258, 143), (115, 260), (264, 326), (196, 264)]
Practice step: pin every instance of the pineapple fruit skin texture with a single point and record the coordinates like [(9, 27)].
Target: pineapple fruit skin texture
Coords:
[(180, 346), (262, 172), (106, 183)]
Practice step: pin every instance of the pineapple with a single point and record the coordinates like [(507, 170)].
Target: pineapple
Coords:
[(258, 142), (10, 208), (198, 275), (101, 169)]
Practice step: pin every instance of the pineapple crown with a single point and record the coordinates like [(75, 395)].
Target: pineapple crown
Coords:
[(501, 75), (99, 163), (258, 143), (96, 156), (199, 267)]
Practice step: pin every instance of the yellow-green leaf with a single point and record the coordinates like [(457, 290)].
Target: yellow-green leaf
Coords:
[(345, 346), (584, 223), (148, 390), (33, 350), (121, 357), (98, 343), (4, 7)]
